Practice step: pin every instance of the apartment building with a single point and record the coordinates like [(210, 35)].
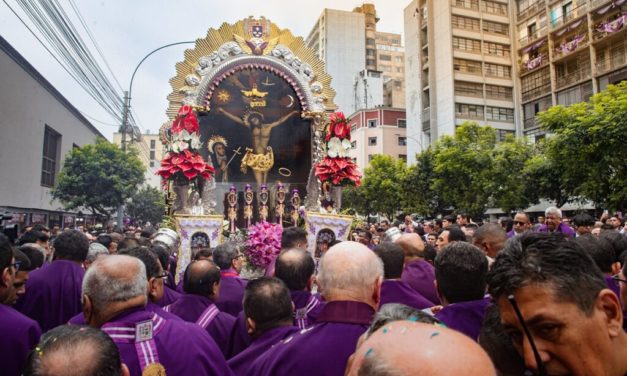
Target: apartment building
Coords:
[(150, 150)]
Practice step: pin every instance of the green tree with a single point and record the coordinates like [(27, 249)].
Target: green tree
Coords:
[(511, 189), (98, 177), (589, 146), (464, 168), (418, 193), (380, 186), (146, 205)]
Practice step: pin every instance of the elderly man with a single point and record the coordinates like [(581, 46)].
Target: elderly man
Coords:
[(553, 223), (415, 348), (230, 261), (295, 267), (202, 288), (64, 349), (350, 281), (19, 334), (554, 303), (460, 274), (53, 293), (418, 273), (522, 224), (393, 289), (114, 299), (95, 250), (268, 310), (490, 238)]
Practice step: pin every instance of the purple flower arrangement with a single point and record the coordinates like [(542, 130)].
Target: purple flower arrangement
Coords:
[(263, 244)]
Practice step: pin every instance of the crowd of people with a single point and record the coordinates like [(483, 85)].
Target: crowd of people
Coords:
[(432, 297)]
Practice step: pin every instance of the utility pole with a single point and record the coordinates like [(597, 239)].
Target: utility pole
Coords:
[(124, 129)]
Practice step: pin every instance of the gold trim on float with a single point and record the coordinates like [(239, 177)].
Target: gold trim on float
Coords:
[(236, 33)]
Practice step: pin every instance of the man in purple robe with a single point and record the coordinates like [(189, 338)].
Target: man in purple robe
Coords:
[(202, 288), (114, 299), (418, 273), (18, 333), (230, 262), (295, 267), (460, 274), (53, 293), (268, 310), (553, 223), (170, 295), (64, 350), (349, 278), (393, 289), (522, 224)]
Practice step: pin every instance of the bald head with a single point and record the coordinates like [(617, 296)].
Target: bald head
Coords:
[(202, 277), (413, 348), (295, 267), (350, 271), (412, 245)]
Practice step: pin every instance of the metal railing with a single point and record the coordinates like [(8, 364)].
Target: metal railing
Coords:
[(611, 63), (596, 3), (536, 92), (573, 77), (583, 43), (576, 12), (531, 10), (530, 123), (534, 36)]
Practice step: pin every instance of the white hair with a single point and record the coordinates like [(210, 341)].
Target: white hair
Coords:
[(353, 270), (95, 250), (553, 210), (104, 288)]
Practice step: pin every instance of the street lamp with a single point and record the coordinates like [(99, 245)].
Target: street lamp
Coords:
[(127, 107)]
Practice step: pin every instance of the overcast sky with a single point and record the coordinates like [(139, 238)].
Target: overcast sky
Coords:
[(126, 30)]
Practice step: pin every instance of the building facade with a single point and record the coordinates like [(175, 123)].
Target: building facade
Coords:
[(391, 63), (150, 150), (39, 128), (377, 131), (501, 62)]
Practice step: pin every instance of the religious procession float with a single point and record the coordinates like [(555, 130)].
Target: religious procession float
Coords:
[(253, 143)]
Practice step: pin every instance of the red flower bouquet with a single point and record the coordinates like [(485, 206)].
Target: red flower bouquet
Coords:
[(185, 120), (337, 168)]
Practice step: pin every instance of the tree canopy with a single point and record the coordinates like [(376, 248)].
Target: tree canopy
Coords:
[(99, 177), (146, 205)]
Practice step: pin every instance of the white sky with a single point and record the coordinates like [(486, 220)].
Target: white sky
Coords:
[(126, 30)]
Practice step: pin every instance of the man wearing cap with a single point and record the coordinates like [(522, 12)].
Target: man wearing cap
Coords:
[(18, 333)]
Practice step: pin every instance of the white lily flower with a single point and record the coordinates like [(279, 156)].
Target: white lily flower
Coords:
[(334, 147)]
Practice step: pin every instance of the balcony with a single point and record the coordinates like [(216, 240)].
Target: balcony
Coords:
[(533, 63), (531, 10), (611, 25), (571, 44), (611, 63), (573, 77), (572, 14), (536, 92), (598, 3), (530, 123), (524, 41)]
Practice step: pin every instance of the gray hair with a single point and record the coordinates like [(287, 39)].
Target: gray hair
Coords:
[(398, 312), (104, 288), (338, 274), (375, 365), (553, 210), (95, 250), (224, 254)]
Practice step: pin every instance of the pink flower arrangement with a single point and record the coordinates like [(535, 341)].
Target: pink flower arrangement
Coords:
[(263, 244)]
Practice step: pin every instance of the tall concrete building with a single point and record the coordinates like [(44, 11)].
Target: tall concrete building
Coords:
[(500, 62), (391, 62), (150, 150)]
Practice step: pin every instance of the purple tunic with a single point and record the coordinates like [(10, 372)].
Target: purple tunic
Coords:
[(563, 228), (420, 275), (182, 348), (169, 296), (466, 317), (18, 336), (307, 308), (190, 308), (231, 292), (612, 285), (239, 339), (53, 294), (322, 349), (241, 363), (150, 307), (396, 291)]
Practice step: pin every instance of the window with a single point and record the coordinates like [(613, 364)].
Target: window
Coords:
[(401, 123), (402, 157), (152, 144), (353, 144), (353, 128), (383, 57), (369, 52), (467, 66), (495, 27), (370, 42), (369, 158), (152, 163), (493, 7), (579, 93), (496, 49), (372, 123), (535, 84), (499, 114), (50, 155), (468, 89), (498, 92), (370, 62), (402, 141), (501, 134), (465, 23), (496, 70), (372, 141), (467, 45), (468, 4), (399, 69), (152, 155), (398, 59), (469, 111)]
